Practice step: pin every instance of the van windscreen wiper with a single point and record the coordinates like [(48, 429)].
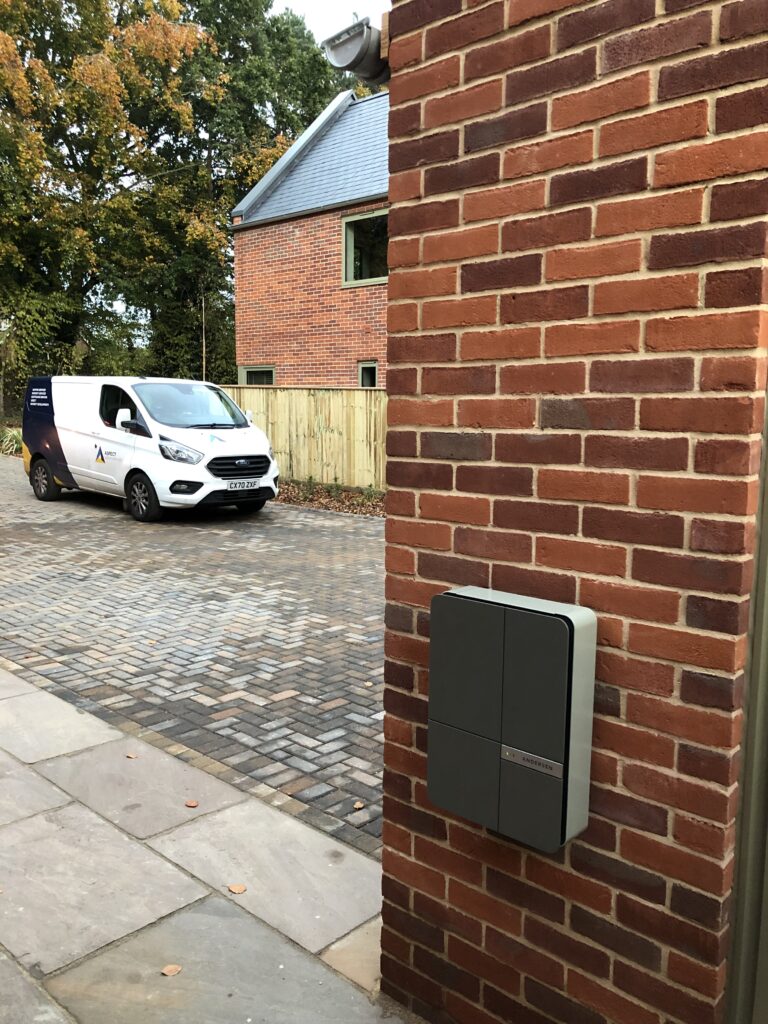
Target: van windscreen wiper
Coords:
[(211, 426)]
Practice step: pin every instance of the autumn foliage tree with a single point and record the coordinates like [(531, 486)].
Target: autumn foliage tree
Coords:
[(128, 131)]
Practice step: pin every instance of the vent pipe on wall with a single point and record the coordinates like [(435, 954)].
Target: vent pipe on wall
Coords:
[(358, 49)]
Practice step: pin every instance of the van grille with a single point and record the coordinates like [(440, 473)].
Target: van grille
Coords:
[(234, 467)]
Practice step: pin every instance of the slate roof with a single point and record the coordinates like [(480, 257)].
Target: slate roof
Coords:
[(341, 159)]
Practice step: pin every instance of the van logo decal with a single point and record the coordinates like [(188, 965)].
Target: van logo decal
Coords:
[(243, 462), (100, 456)]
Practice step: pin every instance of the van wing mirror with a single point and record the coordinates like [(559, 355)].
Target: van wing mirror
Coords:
[(124, 420), (249, 415)]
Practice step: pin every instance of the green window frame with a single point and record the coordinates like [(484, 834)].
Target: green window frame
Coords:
[(357, 258)]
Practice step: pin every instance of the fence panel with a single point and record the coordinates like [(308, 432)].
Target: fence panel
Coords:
[(334, 435)]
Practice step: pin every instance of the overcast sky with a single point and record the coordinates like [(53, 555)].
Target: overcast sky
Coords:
[(327, 17)]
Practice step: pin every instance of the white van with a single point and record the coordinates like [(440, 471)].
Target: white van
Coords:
[(156, 443)]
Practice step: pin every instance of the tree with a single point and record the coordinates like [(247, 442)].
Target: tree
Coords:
[(128, 131)]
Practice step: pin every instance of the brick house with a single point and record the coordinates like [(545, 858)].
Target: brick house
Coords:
[(578, 323), (311, 256)]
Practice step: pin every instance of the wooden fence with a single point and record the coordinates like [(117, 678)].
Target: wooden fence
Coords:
[(333, 435)]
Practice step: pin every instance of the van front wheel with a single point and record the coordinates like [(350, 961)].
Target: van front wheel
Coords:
[(43, 482), (142, 499)]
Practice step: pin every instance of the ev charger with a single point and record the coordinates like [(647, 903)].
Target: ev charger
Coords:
[(511, 697)]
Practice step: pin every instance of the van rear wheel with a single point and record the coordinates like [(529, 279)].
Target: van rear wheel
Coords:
[(43, 481), (142, 499)]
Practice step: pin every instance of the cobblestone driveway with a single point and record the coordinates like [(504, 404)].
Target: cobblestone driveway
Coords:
[(251, 646)]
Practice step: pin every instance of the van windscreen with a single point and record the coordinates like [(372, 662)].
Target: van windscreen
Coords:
[(189, 404)]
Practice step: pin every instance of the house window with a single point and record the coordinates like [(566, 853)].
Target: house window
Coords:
[(365, 249), (260, 376), (368, 374)]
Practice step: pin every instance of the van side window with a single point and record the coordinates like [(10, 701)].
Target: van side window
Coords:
[(113, 399)]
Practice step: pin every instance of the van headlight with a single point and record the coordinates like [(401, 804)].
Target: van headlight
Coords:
[(177, 452)]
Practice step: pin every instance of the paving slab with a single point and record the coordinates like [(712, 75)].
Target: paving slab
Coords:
[(358, 955), (23, 792), (144, 794), (303, 883), (235, 970), (23, 1002), (38, 725), (73, 883), (10, 686)]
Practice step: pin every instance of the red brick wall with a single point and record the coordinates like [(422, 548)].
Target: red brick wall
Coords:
[(578, 233), (291, 310)]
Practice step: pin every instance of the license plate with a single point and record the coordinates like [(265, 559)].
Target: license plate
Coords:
[(243, 485)]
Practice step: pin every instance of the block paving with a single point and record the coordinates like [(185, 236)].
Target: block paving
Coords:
[(250, 646)]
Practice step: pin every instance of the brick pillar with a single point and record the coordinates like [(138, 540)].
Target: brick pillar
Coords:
[(578, 228)]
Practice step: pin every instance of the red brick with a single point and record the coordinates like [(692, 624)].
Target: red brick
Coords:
[(725, 497), (638, 744), (399, 560), (497, 203), (405, 50), (634, 527), (685, 1007), (747, 18), (678, 291), (418, 283), (717, 245), (496, 851), (626, 810), (636, 453), (528, 897), (430, 149), (461, 245), (744, 287), (580, 556), (609, 17), (566, 883), (661, 40), (742, 110), (599, 488), (540, 448), (739, 199), (442, 859), (403, 186), (462, 174), (712, 330), (666, 211), (543, 378), (715, 841), (434, 216), (691, 572), (631, 601), (511, 126), (405, 121), (711, 160), (411, 85), (635, 674), (524, 960), (676, 863), (551, 76), (459, 312), (597, 183), (550, 229), (463, 446), (727, 458), (702, 415), (417, 412), (536, 516), (404, 252), (450, 977), (612, 936), (618, 1009), (683, 721), (447, 918), (404, 317), (524, 10), (414, 875), (535, 157), (493, 275), (458, 380), (453, 509), (602, 101), (470, 28), (504, 344), (740, 373), (725, 653), (660, 128), (722, 537), (481, 906), (495, 545), (557, 1006), (673, 791), (707, 690), (505, 480), (423, 348), (585, 413), (551, 586), (513, 50), (509, 413), (673, 931), (641, 376), (708, 980), (418, 14), (575, 264)]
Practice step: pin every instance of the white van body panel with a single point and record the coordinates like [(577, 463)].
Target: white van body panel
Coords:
[(102, 457)]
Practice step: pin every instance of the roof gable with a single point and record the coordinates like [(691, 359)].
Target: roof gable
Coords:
[(341, 159)]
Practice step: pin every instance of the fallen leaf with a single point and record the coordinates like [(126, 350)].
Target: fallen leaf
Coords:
[(191, 803), (171, 970), (131, 757), (238, 890), (369, 684), (358, 805)]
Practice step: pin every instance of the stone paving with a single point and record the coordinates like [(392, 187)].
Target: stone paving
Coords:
[(251, 647), (135, 887)]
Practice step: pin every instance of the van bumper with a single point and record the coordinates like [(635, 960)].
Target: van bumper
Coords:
[(212, 490)]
